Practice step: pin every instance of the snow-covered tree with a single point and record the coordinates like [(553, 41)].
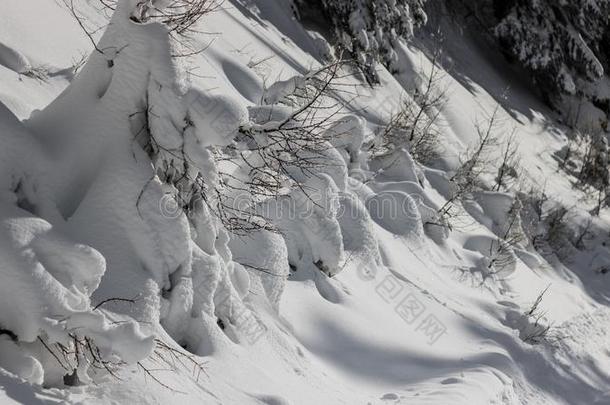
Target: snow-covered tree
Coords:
[(369, 29), (561, 42)]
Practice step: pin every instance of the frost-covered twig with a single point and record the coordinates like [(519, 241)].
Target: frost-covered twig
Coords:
[(179, 15), (273, 150), (131, 301), (79, 20)]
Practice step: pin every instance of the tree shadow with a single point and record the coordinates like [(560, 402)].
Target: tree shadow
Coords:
[(277, 14), (368, 359), (473, 60)]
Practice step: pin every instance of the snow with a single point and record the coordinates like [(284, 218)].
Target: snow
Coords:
[(361, 293)]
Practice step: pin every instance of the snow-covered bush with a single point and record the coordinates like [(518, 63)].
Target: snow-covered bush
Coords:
[(508, 169), (467, 177), (148, 140), (504, 211), (533, 325), (279, 145), (370, 29), (293, 157), (498, 258), (414, 125), (264, 256), (49, 326), (309, 223), (547, 225), (561, 43)]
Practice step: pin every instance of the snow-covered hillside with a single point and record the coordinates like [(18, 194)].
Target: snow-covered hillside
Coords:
[(231, 214)]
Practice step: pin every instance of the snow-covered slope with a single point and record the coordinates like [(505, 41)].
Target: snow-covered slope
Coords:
[(114, 266)]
